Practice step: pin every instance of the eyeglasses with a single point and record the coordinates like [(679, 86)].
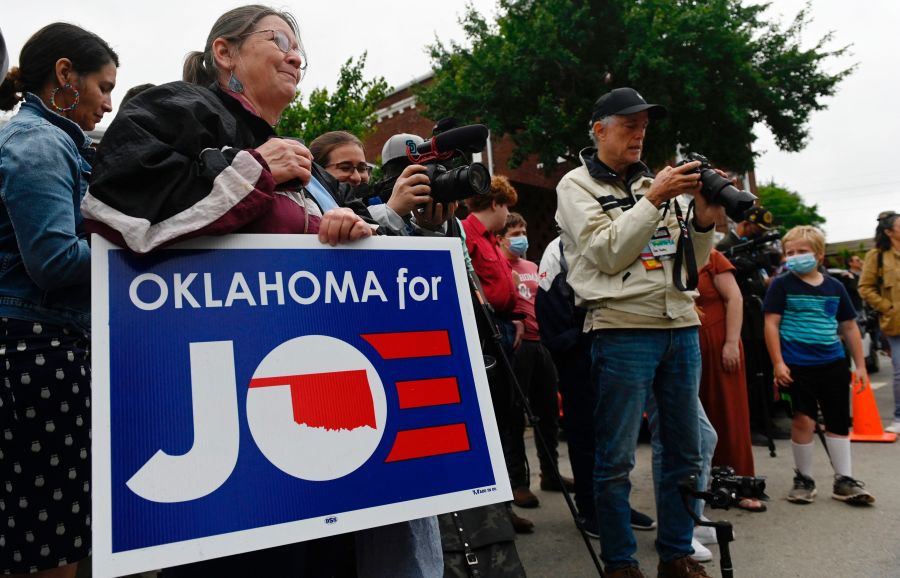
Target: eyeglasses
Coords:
[(283, 43), (348, 167)]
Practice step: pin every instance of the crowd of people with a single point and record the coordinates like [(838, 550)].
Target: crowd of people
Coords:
[(605, 323)]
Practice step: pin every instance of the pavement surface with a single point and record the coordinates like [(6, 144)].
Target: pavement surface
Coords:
[(826, 538)]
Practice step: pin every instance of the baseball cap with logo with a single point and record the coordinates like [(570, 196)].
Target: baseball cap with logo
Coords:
[(625, 101), (760, 216), (393, 153)]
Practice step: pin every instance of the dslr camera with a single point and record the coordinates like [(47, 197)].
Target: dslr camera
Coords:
[(728, 489), (718, 190)]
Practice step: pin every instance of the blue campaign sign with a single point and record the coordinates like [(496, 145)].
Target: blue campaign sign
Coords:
[(257, 390)]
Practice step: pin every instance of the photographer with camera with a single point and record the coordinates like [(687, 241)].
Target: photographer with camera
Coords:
[(619, 232), (751, 247)]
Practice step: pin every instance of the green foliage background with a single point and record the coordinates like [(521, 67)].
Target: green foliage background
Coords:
[(351, 107), (719, 67)]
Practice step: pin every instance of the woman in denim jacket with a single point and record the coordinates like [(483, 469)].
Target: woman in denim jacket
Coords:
[(65, 78)]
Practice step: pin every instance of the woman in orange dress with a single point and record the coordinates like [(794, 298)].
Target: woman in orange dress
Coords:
[(723, 385)]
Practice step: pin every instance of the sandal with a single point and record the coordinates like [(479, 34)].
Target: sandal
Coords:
[(751, 505)]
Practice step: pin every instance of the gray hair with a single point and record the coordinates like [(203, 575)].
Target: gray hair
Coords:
[(606, 122), (200, 67)]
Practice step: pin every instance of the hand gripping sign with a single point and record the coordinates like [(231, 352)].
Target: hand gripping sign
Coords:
[(257, 390)]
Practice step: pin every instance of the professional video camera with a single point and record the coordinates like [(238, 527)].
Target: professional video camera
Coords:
[(754, 260), (456, 183), (728, 489), (718, 190)]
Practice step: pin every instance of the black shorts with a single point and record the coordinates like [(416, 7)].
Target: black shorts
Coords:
[(826, 387)]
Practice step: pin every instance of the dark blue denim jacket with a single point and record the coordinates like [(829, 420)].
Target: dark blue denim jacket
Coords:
[(45, 261)]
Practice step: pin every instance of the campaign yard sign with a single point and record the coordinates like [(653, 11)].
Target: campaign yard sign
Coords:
[(257, 390)]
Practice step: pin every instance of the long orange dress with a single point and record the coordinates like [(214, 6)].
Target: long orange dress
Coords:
[(723, 394)]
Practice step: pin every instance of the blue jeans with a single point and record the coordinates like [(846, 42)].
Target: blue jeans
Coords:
[(627, 364), (894, 340), (708, 440)]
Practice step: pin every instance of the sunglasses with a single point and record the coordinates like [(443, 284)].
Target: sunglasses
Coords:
[(283, 43)]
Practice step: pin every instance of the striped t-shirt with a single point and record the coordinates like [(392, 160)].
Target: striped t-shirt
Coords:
[(810, 317)]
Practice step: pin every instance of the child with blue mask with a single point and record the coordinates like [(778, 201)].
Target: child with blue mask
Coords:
[(805, 312), (535, 372)]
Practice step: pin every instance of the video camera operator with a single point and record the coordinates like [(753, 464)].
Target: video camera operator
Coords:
[(619, 232), (753, 249), (415, 197)]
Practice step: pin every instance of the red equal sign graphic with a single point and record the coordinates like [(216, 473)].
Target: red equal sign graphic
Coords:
[(429, 441), (333, 400), (410, 344), (427, 392)]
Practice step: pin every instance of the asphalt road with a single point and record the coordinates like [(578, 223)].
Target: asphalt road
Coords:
[(827, 538), (824, 539)]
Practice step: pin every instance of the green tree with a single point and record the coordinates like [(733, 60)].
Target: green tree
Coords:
[(718, 66), (788, 207), (351, 107)]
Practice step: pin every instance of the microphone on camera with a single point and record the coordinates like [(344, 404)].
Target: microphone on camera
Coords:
[(470, 138)]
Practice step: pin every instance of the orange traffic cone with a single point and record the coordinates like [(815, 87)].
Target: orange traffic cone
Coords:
[(866, 421)]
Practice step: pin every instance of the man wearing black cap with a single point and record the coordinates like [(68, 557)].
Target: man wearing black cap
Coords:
[(620, 232)]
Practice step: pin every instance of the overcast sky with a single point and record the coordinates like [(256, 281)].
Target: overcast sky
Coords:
[(847, 169)]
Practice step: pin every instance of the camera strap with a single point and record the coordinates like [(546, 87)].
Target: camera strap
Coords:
[(684, 252)]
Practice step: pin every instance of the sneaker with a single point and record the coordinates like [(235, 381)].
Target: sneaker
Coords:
[(525, 498), (641, 521), (804, 490), (706, 535), (701, 552), (589, 525), (685, 567), (846, 489), (893, 428), (626, 572)]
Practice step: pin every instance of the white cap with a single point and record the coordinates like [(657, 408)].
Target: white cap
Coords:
[(395, 147)]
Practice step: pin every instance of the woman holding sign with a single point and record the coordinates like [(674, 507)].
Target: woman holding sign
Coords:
[(65, 77), (200, 157)]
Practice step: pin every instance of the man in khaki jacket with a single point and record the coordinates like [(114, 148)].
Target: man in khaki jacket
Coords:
[(620, 227)]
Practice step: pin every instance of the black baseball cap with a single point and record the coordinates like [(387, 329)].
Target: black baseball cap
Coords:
[(625, 101)]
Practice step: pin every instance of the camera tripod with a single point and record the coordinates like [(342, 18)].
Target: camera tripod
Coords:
[(487, 323), (724, 530)]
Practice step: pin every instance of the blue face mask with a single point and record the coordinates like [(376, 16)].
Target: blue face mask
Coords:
[(802, 263), (518, 246)]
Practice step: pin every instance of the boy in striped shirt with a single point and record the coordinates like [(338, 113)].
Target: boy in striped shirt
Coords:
[(804, 313)]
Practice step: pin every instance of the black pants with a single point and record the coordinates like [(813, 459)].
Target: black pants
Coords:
[(578, 400), (536, 375)]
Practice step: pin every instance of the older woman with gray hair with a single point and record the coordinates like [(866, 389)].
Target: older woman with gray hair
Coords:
[(200, 157)]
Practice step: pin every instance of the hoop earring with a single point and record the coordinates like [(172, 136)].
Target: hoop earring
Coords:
[(234, 85), (58, 108)]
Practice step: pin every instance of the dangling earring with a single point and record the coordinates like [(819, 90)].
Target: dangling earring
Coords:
[(234, 85), (58, 108)]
